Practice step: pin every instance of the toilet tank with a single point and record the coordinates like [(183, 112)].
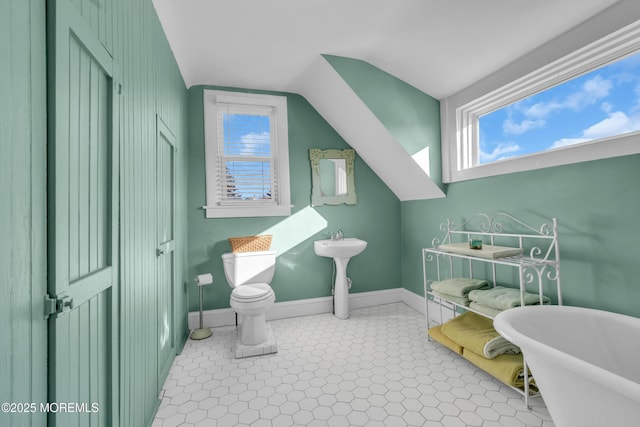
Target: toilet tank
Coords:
[(244, 268)]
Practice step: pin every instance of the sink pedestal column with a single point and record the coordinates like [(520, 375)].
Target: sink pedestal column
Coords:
[(341, 251), (341, 289)]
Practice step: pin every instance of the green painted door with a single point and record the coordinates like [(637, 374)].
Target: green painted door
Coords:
[(166, 268), (82, 253)]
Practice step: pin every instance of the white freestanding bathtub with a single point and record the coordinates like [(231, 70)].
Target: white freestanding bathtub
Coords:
[(586, 362)]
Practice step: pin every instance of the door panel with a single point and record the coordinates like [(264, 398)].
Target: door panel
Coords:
[(81, 359), (97, 14), (82, 223), (166, 268), (88, 164)]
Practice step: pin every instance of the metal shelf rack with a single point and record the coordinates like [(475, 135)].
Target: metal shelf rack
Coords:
[(537, 269)]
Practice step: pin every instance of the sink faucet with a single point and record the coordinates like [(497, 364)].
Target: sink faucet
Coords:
[(338, 235)]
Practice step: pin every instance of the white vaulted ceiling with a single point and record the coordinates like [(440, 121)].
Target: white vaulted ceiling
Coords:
[(437, 46)]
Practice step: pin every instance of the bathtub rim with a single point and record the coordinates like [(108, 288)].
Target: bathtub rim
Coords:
[(611, 380)]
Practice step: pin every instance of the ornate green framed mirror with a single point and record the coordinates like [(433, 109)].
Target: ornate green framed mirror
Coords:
[(332, 177)]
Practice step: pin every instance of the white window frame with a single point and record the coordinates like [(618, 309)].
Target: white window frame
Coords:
[(281, 205), (460, 119)]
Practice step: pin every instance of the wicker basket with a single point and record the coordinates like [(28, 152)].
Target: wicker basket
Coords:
[(250, 243)]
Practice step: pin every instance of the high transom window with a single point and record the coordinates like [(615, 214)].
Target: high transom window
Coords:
[(247, 154), (583, 106), (600, 104)]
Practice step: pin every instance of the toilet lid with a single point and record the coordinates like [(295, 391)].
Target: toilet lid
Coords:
[(252, 291)]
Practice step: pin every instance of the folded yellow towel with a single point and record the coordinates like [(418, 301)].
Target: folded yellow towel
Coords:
[(476, 332), (508, 368), (436, 333)]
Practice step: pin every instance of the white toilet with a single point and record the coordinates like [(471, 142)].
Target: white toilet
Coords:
[(249, 274)]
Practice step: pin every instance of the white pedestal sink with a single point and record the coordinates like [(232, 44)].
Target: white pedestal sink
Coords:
[(341, 251)]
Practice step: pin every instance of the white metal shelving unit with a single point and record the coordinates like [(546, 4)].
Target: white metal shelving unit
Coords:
[(538, 267)]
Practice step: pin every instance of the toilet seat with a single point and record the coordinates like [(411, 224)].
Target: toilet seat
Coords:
[(252, 293)]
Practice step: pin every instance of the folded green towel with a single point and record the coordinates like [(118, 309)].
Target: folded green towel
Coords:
[(503, 298), (476, 332), (483, 309), (458, 300), (459, 287)]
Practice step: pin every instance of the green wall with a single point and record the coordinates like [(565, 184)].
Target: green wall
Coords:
[(410, 115), (152, 87), (300, 274), (23, 208), (596, 204)]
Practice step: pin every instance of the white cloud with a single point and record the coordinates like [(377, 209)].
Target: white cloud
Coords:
[(568, 141), (592, 91), (617, 123), (255, 143), (502, 151), (606, 107), (257, 138), (540, 110), (511, 128)]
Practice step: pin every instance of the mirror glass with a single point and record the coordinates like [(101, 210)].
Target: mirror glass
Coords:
[(332, 176)]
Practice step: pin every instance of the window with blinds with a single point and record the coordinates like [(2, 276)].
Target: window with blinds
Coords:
[(247, 155)]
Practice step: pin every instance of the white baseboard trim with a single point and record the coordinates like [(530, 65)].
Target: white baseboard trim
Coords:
[(212, 318), (310, 306), (413, 300)]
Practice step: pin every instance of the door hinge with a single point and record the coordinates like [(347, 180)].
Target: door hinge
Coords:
[(57, 305)]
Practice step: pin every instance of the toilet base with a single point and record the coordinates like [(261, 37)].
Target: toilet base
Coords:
[(267, 347)]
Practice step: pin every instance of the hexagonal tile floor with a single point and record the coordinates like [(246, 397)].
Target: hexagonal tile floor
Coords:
[(375, 369)]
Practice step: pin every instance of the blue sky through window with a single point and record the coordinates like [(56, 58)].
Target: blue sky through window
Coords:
[(246, 134), (602, 103)]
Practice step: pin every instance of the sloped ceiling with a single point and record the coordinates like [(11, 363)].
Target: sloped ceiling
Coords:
[(439, 47)]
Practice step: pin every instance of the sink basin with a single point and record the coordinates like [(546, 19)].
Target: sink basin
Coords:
[(345, 248), (341, 251)]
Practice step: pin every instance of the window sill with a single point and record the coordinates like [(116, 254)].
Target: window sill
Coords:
[(246, 212), (622, 145)]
